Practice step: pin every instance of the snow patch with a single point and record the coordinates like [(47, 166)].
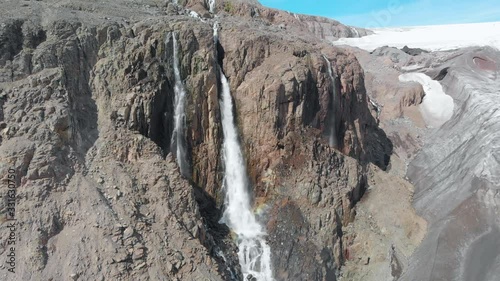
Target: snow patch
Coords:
[(437, 107), (412, 67), (195, 15), (432, 38)]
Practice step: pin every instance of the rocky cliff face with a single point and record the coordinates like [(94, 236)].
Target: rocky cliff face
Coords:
[(87, 114), (380, 242), (95, 192)]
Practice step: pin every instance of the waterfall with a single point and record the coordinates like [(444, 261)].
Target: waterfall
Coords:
[(254, 254), (216, 33), (332, 134), (355, 31), (211, 5), (178, 138)]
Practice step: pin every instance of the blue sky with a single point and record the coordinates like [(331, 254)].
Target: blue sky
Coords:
[(384, 13)]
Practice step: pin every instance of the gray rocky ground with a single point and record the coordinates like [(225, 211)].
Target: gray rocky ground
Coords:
[(456, 176), (453, 167)]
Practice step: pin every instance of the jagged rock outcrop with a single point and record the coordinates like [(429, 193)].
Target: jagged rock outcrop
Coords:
[(321, 27), (378, 244), (87, 101)]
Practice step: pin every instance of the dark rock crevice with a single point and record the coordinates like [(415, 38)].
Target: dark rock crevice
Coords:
[(219, 241), (162, 117), (11, 40), (311, 102), (442, 74)]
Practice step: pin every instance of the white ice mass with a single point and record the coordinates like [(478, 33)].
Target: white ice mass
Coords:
[(437, 107), (432, 38)]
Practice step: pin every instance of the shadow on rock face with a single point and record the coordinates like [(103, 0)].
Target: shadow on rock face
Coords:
[(220, 246), (11, 40), (293, 256), (377, 148), (348, 122)]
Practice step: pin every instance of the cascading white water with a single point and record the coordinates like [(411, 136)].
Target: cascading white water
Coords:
[(216, 32), (211, 6), (355, 31), (178, 140), (254, 254), (332, 134)]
